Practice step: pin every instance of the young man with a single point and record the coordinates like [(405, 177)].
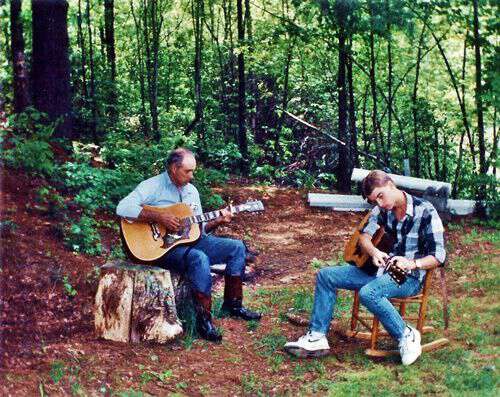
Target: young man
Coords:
[(173, 186), (417, 231)]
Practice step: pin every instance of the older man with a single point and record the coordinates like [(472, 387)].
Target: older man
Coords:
[(173, 186), (418, 231)]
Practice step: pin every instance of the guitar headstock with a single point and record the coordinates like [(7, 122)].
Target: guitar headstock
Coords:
[(251, 206), (398, 274)]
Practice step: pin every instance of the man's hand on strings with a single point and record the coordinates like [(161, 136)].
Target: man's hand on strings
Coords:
[(403, 263), (171, 223), (379, 257)]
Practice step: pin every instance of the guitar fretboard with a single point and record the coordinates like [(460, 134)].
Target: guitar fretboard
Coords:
[(208, 216)]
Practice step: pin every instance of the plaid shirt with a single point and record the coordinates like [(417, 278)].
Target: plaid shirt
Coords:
[(418, 234)]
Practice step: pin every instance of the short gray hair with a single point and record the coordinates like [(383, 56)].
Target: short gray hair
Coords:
[(176, 156)]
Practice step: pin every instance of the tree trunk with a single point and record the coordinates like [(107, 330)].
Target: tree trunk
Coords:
[(152, 22), (242, 133), (92, 98), (373, 84), (81, 43), (284, 103), (344, 168), (483, 168), (197, 13), (389, 88), (139, 69), (51, 67), (363, 120), (436, 153), (353, 133), (135, 303), (20, 72), (414, 106), (109, 37)]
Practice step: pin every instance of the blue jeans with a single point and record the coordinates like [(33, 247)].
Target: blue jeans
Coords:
[(373, 294), (195, 260)]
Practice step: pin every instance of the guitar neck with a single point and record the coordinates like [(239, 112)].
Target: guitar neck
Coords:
[(208, 216)]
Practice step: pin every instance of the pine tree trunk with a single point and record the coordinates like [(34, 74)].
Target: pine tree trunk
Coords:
[(353, 133), (242, 133), (483, 168), (92, 97), (139, 69), (389, 92), (416, 140), (109, 24), (51, 68), (197, 14), (81, 43), (344, 168), (20, 72), (373, 84)]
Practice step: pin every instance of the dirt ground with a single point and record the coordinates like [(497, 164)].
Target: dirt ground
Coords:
[(41, 324)]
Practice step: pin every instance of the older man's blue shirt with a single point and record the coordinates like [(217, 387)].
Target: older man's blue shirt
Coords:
[(158, 191)]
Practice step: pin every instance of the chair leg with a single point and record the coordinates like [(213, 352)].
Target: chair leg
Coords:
[(355, 312), (422, 311), (402, 309), (374, 337)]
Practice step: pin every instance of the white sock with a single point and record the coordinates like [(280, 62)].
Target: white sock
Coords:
[(316, 334)]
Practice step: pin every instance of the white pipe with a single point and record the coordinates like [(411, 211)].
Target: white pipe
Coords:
[(338, 202), (409, 182), (461, 207)]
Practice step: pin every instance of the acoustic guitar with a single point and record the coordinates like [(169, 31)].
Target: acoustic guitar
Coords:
[(356, 256), (150, 241)]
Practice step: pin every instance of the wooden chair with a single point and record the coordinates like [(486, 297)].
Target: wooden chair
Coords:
[(372, 332)]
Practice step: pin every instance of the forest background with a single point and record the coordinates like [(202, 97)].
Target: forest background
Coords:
[(94, 94), (390, 79)]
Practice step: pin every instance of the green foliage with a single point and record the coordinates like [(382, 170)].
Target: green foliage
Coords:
[(56, 206), (83, 237), (148, 376), (98, 188), (205, 178), (33, 156), (252, 385), (31, 150), (252, 325), (303, 301), (57, 371), (7, 225), (271, 343), (62, 373), (68, 288)]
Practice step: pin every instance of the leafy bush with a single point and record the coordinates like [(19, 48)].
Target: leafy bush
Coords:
[(33, 156), (56, 207), (83, 236), (98, 188), (31, 149), (205, 178)]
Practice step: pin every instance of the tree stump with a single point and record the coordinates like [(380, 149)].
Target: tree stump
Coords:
[(135, 303)]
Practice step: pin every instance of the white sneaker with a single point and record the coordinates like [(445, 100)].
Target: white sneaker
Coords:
[(309, 346), (409, 346)]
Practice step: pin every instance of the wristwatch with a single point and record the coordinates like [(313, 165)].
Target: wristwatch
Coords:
[(417, 264)]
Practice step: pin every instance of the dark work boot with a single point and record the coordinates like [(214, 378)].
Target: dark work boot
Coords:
[(233, 298), (204, 324)]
